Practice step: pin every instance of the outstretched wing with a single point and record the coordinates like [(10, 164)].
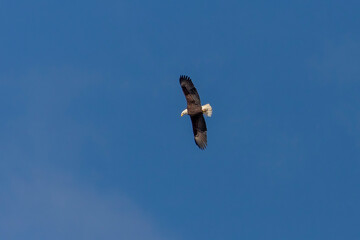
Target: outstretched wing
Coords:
[(190, 92), (199, 129)]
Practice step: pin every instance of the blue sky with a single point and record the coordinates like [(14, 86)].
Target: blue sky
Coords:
[(93, 146)]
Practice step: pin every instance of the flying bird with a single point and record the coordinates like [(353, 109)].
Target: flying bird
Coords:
[(195, 111)]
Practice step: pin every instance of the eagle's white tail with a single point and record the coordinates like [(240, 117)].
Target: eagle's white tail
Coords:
[(207, 110)]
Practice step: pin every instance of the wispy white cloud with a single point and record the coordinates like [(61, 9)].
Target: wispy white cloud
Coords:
[(54, 206)]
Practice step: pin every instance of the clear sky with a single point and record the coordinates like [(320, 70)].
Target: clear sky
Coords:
[(92, 145)]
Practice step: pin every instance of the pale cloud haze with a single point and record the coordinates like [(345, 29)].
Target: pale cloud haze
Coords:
[(51, 206)]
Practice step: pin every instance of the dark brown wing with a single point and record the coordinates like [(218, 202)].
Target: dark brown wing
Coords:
[(199, 129), (191, 95)]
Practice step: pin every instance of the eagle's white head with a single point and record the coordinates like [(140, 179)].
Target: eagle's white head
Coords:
[(185, 112)]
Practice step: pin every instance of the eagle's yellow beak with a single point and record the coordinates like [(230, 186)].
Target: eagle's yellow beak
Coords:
[(182, 114)]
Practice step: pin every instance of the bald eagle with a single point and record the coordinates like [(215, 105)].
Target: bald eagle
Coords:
[(195, 111)]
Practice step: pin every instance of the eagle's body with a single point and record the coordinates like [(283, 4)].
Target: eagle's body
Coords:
[(195, 111)]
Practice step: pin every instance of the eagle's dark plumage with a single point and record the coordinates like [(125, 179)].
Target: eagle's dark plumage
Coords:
[(195, 111)]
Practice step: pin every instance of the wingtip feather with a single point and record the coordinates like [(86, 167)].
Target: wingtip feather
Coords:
[(184, 77)]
